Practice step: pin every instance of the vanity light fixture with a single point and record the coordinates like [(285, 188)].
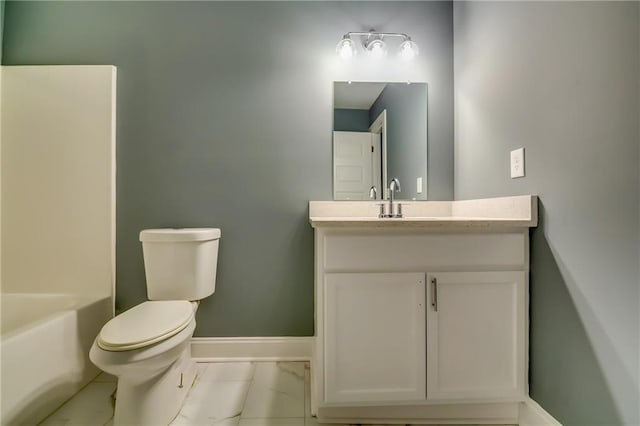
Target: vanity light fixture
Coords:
[(408, 49), (346, 47), (375, 45)]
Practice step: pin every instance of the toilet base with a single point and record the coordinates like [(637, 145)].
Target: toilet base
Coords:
[(158, 400)]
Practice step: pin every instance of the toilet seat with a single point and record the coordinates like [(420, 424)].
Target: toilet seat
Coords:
[(148, 323)]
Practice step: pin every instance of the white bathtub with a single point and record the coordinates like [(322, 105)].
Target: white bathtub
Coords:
[(45, 342)]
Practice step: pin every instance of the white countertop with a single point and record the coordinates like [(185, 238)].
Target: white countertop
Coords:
[(504, 212)]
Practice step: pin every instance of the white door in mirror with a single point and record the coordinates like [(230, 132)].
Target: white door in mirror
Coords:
[(517, 163), (352, 165)]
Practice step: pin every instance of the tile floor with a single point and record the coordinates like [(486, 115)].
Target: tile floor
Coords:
[(224, 394)]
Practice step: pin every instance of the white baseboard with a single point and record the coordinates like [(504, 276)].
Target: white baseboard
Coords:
[(220, 349), (532, 414)]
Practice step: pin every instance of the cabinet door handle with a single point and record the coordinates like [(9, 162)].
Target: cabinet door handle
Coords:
[(434, 294)]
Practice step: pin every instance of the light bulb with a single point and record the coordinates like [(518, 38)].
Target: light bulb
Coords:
[(345, 48), (377, 48), (408, 50)]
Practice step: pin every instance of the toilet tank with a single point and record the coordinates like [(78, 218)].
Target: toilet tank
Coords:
[(180, 264)]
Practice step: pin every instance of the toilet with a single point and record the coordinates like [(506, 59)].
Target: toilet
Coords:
[(148, 347)]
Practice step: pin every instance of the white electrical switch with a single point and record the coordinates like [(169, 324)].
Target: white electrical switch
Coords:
[(517, 163), (419, 185)]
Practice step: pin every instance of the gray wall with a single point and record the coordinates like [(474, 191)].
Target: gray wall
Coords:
[(562, 80), (224, 119), (406, 134), (351, 120), (1, 26)]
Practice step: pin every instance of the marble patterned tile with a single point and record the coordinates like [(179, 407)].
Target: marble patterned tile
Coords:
[(201, 367), (311, 421), (215, 422), (272, 422), (105, 378), (90, 406), (213, 403), (277, 391), (226, 371), (225, 394), (307, 390)]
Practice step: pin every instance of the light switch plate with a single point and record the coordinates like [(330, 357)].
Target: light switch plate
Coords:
[(419, 185), (517, 163)]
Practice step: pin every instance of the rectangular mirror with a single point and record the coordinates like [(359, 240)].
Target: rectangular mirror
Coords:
[(379, 133)]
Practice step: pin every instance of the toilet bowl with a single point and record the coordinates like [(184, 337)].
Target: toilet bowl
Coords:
[(148, 347), (151, 359), (139, 365)]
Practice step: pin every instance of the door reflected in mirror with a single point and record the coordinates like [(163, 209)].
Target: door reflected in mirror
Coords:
[(379, 133)]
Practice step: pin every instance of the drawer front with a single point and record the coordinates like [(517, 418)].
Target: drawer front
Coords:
[(427, 252)]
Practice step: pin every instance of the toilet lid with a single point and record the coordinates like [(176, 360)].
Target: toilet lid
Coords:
[(145, 324)]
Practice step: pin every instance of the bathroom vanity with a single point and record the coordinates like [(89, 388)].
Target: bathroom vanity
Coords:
[(423, 318)]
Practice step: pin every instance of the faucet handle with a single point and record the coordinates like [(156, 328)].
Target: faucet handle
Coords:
[(399, 210), (383, 212)]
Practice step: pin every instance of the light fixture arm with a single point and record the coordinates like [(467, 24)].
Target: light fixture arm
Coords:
[(374, 33)]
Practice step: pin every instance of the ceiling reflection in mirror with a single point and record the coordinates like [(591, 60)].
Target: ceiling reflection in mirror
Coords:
[(379, 133)]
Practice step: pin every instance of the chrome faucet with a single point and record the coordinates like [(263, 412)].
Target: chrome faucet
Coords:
[(373, 192), (394, 186)]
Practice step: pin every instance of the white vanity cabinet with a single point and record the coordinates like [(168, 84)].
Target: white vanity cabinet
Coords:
[(422, 319)]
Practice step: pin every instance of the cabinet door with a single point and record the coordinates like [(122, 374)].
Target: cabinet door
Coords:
[(476, 336), (374, 337)]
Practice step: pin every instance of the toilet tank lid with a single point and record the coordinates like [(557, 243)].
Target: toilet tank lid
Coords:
[(180, 234)]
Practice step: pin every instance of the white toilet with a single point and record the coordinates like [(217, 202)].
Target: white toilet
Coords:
[(147, 347)]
